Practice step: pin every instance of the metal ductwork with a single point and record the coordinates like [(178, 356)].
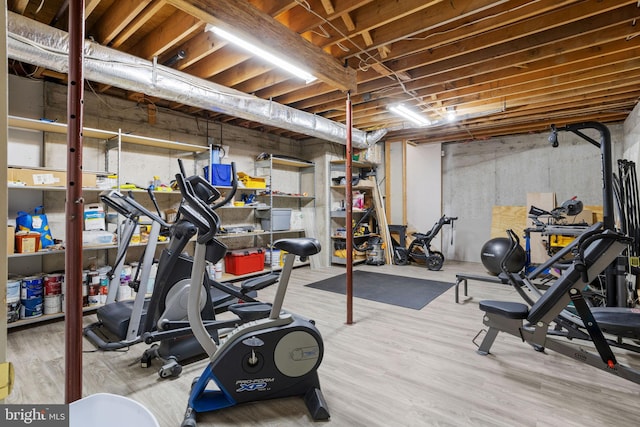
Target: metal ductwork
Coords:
[(38, 44)]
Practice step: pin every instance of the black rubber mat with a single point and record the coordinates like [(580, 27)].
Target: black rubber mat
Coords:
[(406, 292)]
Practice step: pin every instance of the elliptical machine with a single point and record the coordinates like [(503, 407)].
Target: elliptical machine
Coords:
[(272, 357), (123, 320), (166, 318)]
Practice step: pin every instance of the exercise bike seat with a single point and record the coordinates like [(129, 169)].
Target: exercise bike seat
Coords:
[(115, 317), (261, 282), (301, 246), (251, 310)]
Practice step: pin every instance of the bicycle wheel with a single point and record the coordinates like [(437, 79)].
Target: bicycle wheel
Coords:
[(435, 261)]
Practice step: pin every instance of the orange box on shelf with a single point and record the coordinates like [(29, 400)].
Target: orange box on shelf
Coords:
[(27, 241), (243, 261)]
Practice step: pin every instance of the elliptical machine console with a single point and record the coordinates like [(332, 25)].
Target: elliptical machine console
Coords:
[(268, 358)]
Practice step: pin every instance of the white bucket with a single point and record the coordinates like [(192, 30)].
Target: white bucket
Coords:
[(218, 270), (52, 304), (13, 291), (108, 410), (124, 292), (272, 257)]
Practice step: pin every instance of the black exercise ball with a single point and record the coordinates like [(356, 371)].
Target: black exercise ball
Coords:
[(495, 249)]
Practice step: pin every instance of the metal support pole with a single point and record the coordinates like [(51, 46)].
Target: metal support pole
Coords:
[(74, 206), (349, 213)]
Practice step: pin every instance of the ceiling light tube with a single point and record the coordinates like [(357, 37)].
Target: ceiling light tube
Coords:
[(451, 114), (267, 56), (406, 113)]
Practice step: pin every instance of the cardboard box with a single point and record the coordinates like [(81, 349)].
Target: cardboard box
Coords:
[(244, 261), (94, 217), (97, 237), (11, 239), (47, 177), (38, 177)]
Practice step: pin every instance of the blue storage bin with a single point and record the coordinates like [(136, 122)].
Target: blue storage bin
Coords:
[(220, 174)]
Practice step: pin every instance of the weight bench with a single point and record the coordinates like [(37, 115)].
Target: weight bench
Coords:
[(463, 278), (600, 250)]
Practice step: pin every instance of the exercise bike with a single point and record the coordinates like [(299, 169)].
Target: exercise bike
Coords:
[(420, 251), (267, 358)]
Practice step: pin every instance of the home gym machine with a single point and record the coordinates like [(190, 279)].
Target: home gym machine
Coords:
[(615, 283), (597, 249), (267, 358)]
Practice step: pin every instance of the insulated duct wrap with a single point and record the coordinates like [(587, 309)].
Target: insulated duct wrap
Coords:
[(38, 44)]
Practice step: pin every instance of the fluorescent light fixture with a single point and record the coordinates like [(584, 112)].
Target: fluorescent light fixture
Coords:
[(412, 116), (267, 56), (451, 114)]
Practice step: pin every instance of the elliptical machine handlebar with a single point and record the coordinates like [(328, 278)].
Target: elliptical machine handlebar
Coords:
[(199, 194), (196, 211)]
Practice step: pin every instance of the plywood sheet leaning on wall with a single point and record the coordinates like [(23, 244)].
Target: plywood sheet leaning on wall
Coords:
[(507, 217)]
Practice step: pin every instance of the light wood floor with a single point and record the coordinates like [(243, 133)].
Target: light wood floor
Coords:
[(393, 367)]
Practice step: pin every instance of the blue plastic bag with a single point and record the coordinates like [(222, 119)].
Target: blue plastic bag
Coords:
[(36, 221)]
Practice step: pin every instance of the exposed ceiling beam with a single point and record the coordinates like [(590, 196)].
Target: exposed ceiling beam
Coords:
[(240, 18)]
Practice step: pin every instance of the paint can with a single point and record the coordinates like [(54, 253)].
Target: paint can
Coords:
[(85, 288), (125, 274), (52, 284), (13, 311), (272, 257), (52, 304), (31, 307), (124, 292), (104, 288), (13, 290), (94, 294), (31, 287), (218, 270), (152, 278)]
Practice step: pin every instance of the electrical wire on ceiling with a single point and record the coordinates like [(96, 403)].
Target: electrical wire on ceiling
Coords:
[(393, 75)]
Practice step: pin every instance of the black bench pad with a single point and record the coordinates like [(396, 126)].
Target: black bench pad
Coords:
[(511, 310), (620, 321)]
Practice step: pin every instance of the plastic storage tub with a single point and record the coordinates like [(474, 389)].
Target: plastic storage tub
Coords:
[(281, 219), (109, 410), (244, 261)]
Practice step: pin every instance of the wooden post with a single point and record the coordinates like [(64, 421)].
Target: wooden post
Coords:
[(74, 206), (349, 213)]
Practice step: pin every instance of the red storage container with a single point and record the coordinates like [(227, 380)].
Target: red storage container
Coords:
[(243, 261)]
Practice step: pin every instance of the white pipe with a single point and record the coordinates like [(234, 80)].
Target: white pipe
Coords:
[(38, 44)]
